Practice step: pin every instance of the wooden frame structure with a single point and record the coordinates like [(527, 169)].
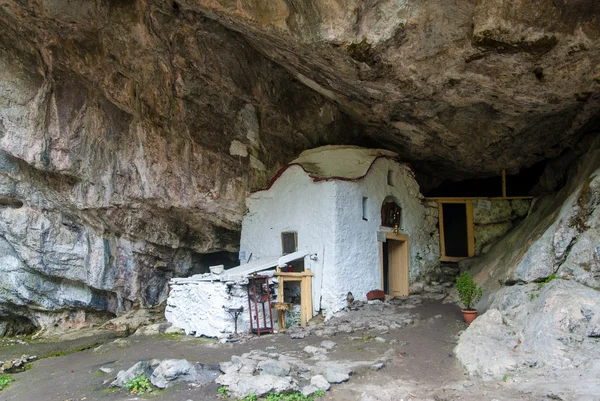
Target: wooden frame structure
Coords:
[(470, 224), (470, 230), (305, 279), (404, 253)]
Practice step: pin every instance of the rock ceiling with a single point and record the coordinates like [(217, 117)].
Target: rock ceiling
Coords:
[(458, 88), (182, 107)]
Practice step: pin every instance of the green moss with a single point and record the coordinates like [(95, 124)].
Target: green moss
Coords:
[(69, 351), (174, 336), (549, 279)]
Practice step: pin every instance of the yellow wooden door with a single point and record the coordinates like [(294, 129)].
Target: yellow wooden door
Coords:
[(398, 268)]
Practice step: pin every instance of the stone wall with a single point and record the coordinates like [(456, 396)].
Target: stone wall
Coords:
[(492, 219)]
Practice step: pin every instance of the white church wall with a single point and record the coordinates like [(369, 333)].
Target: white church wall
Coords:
[(293, 203), (197, 308), (357, 264)]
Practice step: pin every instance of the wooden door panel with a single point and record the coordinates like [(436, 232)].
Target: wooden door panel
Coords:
[(398, 268)]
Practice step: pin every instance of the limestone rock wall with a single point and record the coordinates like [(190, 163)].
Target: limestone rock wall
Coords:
[(541, 290), (492, 219), (130, 136)]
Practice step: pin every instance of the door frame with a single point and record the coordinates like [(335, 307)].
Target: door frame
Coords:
[(470, 230), (394, 237)]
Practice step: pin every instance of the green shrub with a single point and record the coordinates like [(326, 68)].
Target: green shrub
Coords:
[(549, 279), (296, 396), (468, 291), (4, 381), (223, 392), (139, 385)]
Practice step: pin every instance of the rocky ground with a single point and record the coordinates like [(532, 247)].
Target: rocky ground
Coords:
[(388, 352)]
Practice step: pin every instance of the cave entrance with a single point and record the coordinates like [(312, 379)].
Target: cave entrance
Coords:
[(456, 230)]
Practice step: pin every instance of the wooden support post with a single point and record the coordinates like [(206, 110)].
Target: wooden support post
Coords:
[(504, 183), (441, 226), (470, 229)]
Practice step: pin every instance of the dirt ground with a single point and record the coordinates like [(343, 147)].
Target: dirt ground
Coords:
[(423, 367)]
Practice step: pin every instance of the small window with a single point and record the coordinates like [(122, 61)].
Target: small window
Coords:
[(390, 178), (365, 204), (289, 242)]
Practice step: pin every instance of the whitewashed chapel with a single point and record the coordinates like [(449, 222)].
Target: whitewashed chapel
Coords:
[(346, 219)]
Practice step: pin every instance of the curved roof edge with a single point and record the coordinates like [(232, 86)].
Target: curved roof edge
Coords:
[(335, 162)]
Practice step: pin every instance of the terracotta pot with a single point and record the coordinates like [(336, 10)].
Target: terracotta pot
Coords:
[(469, 315)]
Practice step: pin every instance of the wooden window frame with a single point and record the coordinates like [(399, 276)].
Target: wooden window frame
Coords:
[(470, 230)]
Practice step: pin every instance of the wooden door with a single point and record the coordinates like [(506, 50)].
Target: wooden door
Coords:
[(398, 268)]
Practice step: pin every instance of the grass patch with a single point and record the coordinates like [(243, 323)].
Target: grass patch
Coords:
[(549, 279), (5, 381), (174, 336), (296, 396), (223, 392), (139, 385)]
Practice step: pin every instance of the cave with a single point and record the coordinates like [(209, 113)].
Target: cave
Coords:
[(135, 137)]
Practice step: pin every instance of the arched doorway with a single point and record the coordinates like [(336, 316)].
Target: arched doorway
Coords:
[(394, 251), (391, 214)]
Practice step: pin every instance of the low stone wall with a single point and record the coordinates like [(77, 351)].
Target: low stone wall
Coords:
[(492, 219), (197, 306)]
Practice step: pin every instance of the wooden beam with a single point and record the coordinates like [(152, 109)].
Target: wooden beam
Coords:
[(504, 183), (452, 199), (452, 258), (381, 278), (441, 225), (470, 229)]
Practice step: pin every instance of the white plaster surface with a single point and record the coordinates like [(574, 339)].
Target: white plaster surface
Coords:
[(356, 267), (198, 307), (294, 203)]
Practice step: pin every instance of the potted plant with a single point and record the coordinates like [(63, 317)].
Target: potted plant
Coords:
[(469, 293)]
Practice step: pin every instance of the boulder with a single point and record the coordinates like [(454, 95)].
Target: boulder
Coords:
[(484, 349), (241, 385), (141, 368), (544, 327), (172, 371), (320, 382), (274, 368)]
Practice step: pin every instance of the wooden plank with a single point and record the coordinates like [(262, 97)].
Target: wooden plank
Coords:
[(504, 183), (470, 230), (398, 237), (279, 288), (304, 297), (307, 272), (451, 199), (393, 268), (381, 278), (309, 305), (404, 271), (441, 226), (452, 258)]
